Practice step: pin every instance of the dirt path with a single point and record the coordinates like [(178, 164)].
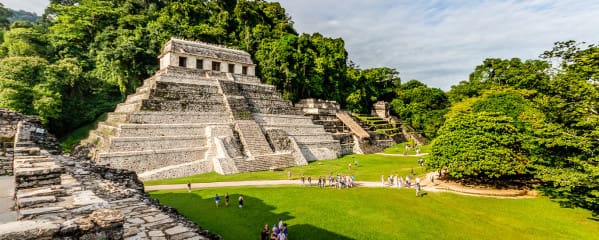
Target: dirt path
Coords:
[(427, 186), (402, 155)]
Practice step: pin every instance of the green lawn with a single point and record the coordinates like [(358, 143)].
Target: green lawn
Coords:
[(370, 168), (374, 213)]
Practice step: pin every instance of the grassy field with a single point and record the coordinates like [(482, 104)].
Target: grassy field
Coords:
[(373, 213), (370, 168)]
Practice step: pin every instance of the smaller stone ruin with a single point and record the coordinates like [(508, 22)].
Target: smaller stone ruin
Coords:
[(381, 109)]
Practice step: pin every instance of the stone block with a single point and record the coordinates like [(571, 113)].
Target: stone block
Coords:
[(31, 201), (25, 230)]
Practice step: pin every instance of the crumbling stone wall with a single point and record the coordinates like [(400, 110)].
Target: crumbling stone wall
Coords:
[(69, 197), (36, 134)]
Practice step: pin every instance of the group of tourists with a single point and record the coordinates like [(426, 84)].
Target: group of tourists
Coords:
[(279, 231), (340, 181), (399, 182), (227, 197)]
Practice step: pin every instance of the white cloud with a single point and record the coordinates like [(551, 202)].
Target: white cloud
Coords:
[(440, 42), (36, 6)]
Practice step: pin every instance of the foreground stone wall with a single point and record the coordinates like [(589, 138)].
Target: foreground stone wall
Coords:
[(69, 197)]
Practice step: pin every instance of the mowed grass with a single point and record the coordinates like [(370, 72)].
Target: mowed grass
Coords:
[(369, 167), (376, 213)]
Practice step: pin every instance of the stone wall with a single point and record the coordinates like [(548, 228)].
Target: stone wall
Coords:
[(86, 201), (36, 134)]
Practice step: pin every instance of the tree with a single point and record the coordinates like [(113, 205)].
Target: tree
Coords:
[(5, 14), (495, 72), (24, 40), (421, 107), (566, 151), (487, 137)]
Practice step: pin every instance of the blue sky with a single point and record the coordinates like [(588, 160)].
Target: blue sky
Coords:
[(436, 42)]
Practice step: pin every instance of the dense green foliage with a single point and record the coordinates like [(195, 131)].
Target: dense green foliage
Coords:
[(528, 119), (111, 46), (376, 213), (421, 107)]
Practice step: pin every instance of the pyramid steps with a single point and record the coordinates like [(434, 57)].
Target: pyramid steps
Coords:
[(285, 119), (265, 162), (296, 129), (168, 117), (153, 159), (128, 106), (173, 171), (181, 106), (123, 144), (155, 130), (253, 139)]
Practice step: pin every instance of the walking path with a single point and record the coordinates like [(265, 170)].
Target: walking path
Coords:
[(7, 192), (426, 186), (402, 155)]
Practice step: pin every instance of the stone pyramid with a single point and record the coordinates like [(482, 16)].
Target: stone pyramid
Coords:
[(205, 110)]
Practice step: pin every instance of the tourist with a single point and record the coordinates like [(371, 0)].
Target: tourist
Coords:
[(285, 230), (400, 182), (227, 199), (275, 232), (264, 234), (303, 180), (288, 175), (412, 172), (417, 150), (240, 200), (319, 181), (417, 189), (310, 180), (383, 180), (281, 236), (349, 167), (216, 199), (280, 223), (188, 187)]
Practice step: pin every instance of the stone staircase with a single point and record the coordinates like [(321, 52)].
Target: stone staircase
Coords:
[(314, 142), (253, 139)]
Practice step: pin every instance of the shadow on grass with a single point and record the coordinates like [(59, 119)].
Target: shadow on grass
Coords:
[(235, 223), (307, 231)]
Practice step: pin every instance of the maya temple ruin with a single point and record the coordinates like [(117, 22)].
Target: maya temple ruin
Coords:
[(203, 111)]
